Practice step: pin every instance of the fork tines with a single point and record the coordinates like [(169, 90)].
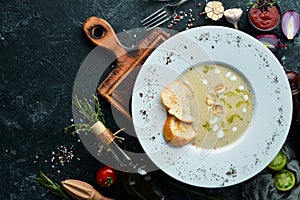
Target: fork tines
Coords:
[(155, 19)]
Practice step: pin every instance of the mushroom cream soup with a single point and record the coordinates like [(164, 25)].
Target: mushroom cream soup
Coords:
[(223, 105)]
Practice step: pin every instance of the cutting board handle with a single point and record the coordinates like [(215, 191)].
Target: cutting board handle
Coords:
[(102, 34)]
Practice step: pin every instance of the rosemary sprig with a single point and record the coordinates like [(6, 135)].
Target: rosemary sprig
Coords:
[(85, 108), (99, 114), (54, 187), (92, 115)]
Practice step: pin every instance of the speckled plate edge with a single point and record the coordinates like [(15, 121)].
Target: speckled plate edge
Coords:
[(266, 133)]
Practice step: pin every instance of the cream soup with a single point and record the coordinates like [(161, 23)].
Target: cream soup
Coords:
[(223, 104)]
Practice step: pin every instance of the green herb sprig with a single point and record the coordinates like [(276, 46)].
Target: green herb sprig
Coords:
[(263, 5), (55, 188), (90, 113)]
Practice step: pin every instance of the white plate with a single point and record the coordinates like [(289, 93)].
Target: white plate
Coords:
[(269, 126)]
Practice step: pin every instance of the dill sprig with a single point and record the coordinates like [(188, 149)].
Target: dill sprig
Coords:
[(55, 188)]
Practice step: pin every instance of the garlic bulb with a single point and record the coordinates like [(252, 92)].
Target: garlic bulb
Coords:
[(233, 16), (214, 10)]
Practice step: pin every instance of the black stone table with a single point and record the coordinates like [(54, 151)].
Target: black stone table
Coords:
[(41, 49)]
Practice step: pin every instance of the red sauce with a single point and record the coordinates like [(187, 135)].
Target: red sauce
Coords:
[(265, 20)]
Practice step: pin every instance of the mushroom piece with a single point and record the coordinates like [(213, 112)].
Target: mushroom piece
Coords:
[(210, 99), (214, 10), (220, 88), (217, 109)]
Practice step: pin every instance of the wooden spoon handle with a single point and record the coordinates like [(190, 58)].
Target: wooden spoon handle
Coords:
[(100, 33)]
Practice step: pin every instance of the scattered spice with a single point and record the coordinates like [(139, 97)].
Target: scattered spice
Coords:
[(168, 58), (232, 172), (186, 17), (62, 155)]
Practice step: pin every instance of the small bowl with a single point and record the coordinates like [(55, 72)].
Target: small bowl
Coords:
[(262, 27)]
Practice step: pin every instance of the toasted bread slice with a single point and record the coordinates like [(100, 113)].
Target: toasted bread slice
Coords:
[(176, 97), (178, 133)]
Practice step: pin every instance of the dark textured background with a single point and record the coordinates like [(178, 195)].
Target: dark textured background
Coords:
[(41, 49)]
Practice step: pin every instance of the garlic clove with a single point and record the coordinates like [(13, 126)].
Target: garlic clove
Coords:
[(233, 16)]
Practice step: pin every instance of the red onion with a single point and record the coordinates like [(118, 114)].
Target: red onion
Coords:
[(269, 40), (290, 24)]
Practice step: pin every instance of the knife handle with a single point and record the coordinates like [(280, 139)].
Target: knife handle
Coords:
[(100, 33)]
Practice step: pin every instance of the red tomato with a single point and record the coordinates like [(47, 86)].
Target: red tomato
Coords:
[(106, 176)]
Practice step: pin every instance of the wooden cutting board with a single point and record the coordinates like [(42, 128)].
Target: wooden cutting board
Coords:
[(117, 86)]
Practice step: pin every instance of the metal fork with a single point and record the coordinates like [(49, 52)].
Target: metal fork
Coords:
[(161, 15)]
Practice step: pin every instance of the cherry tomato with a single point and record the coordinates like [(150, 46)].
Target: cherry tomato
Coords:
[(278, 162), (284, 180), (106, 176)]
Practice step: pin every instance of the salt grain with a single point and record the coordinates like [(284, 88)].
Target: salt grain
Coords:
[(241, 87), (233, 78), (214, 120), (215, 128), (228, 74), (220, 134)]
